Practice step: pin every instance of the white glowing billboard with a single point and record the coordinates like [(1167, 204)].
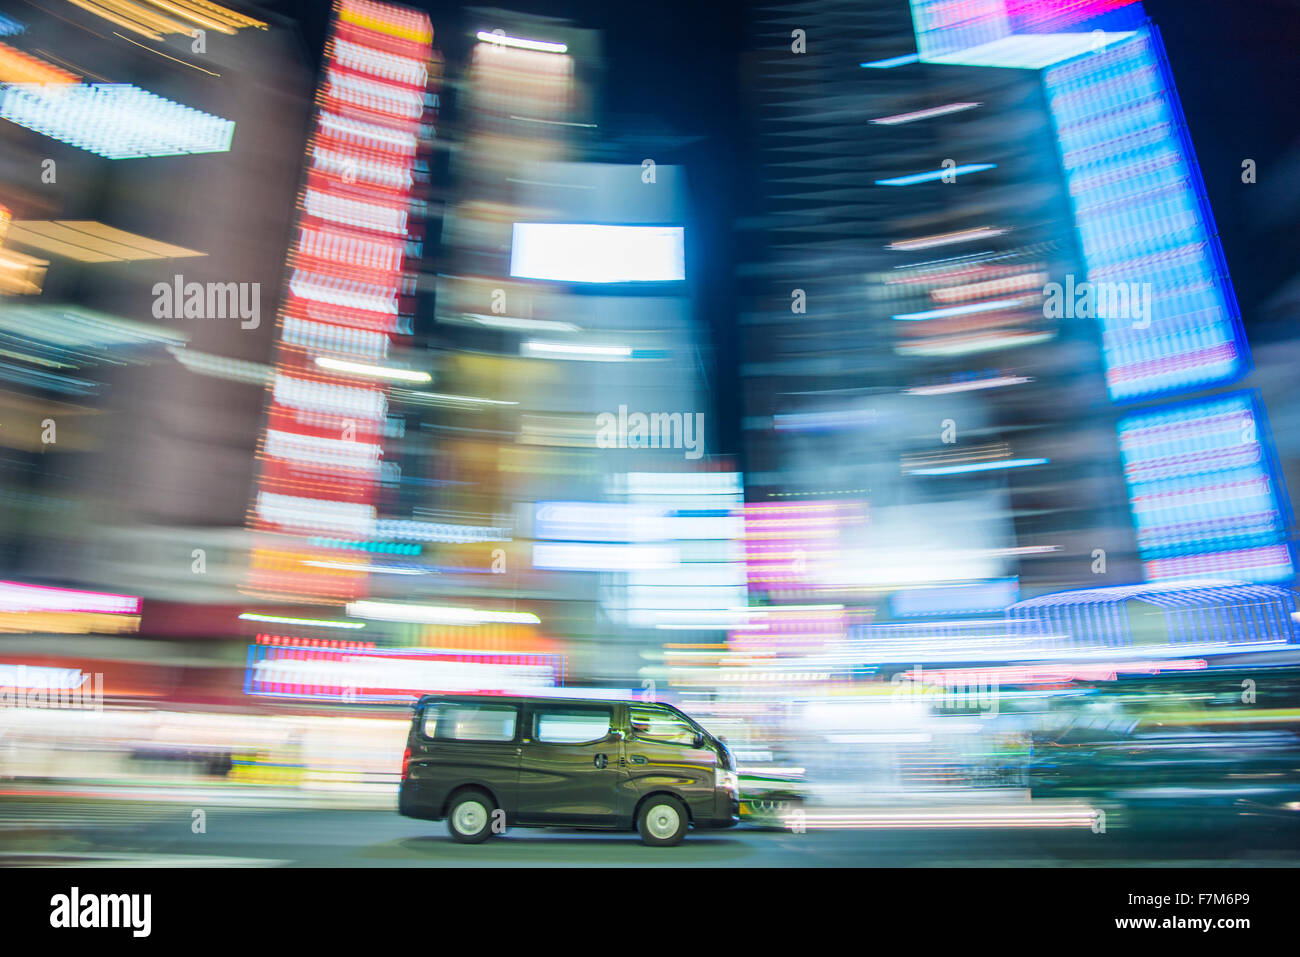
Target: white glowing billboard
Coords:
[(588, 252)]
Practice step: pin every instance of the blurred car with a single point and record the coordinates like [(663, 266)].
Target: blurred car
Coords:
[(1200, 774)]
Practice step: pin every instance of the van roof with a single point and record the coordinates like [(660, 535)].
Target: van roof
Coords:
[(612, 698)]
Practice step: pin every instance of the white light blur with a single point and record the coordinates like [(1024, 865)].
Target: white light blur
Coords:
[(602, 556), (373, 372), (20, 597), (575, 350), (437, 614), (588, 252), (947, 239), (932, 112), (307, 622), (947, 388), (367, 568), (442, 398), (522, 325), (521, 43)]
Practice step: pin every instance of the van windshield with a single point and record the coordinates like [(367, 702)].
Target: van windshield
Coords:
[(659, 724)]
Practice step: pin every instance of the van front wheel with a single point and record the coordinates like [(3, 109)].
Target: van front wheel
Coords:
[(662, 821), (470, 817)]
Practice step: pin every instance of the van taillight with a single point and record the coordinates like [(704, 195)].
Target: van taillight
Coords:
[(406, 762)]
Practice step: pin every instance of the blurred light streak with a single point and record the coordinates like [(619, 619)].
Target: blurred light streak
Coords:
[(1049, 674), (301, 669), (522, 325), (824, 420), (149, 18), (114, 120), (19, 597), (602, 557), (437, 614), (326, 337), (575, 350), (373, 372), (223, 367), (37, 677), (892, 62), (207, 14), (297, 512), (21, 275), (86, 240), (368, 567), (1021, 816), (19, 67), (978, 307), (676, 483), (966, 345), (442, 398), (948, 239), (166, 56), (412, 531), (319, 450), (934, 111), (937, 174), (381, 63), (67, 623), (521, 43), (306, 622), (989, 287), (129, 17), (978, 466), (947, 388), (327, 397)]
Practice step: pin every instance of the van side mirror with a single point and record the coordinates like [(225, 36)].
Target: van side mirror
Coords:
[(698, 742)]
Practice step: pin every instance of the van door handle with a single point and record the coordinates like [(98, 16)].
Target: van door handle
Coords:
[(600, 760), (639, 759)]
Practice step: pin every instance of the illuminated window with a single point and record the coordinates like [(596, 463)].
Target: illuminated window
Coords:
[(653, 725), (571, 725), (470, 722)]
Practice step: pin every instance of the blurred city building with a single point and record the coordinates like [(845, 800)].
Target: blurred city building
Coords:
[(564, 317)]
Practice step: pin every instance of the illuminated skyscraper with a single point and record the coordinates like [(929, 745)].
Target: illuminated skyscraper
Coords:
[(347, 312), (909, 341)]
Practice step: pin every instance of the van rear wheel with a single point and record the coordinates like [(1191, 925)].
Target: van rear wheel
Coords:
[(469, 819), (662, 821)]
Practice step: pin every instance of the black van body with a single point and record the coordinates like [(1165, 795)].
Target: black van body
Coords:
[(566, 762)]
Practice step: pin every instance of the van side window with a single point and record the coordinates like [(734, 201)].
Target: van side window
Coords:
[(655, 725), (454, 721), (571, 725)]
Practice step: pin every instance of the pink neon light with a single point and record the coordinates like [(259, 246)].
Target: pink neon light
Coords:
[(1059, 674), (1042, 16)]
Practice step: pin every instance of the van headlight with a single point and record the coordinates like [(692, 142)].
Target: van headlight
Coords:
[(729, 780)]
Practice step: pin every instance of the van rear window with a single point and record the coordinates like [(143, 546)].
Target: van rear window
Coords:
[(454, 721)]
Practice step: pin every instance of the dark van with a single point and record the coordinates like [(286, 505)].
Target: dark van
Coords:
[(483, 763)]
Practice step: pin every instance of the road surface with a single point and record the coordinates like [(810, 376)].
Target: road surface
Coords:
[(124, 833)]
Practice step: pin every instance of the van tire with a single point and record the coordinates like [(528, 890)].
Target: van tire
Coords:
[(662, 821), (469, 817)]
